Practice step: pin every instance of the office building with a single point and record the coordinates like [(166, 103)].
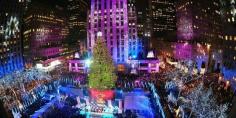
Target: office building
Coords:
[(45, 30), (199, 20), (163, 18), (11, 58)]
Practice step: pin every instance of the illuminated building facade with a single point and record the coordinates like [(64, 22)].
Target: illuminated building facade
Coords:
[(78, 66), (134, 43), (116, 20), (77, 10), (229, 36), (11, 58), (149, 64), (77, 21), (44, 32), (178, 53), (163, 17), (143, 18), (198, 20), (144, 26)]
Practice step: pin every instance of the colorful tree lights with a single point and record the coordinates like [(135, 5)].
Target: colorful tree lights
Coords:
[(102, 69)]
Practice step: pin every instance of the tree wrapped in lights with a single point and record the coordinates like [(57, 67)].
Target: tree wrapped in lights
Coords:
[(18, 86), (170, 85), (102, 70), (203, 104)]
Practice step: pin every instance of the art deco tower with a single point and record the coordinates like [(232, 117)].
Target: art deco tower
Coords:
[(116, 20)]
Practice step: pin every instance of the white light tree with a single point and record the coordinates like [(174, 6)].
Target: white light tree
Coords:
[(176, 78), (203, 104), (13, 87), (172, 98), (170, 85)]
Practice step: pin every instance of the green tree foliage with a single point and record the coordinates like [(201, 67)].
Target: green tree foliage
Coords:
[(102, 70)]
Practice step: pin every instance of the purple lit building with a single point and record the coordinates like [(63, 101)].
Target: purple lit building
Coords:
[(198, 20), (149, 64), (116, 20), (44, 32)]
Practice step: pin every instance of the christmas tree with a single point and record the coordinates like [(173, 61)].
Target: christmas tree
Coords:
[(102, 71)]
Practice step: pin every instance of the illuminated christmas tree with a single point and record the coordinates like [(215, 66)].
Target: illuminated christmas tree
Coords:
[(102, 70)]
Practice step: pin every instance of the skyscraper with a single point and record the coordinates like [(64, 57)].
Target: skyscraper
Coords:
[(77, 10), (44, 32), (143, 18), (116, 20), (229, 33), (134, 43), (163, 18), (144, 22), (198, 20), (77, 21), (11, 58)]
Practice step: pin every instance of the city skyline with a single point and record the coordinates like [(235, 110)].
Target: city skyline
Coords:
[(78, 33), (102, 54), (138, 32)]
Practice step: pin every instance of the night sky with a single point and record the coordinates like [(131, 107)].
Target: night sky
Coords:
[(51, 3)]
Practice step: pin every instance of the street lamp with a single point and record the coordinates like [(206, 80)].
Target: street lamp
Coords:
[(88, 62), (227, 84), (208, 46), (220, 78)]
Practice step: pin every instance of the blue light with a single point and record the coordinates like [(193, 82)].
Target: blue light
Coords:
[(134, 56), (88, 62), (13, 64)]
